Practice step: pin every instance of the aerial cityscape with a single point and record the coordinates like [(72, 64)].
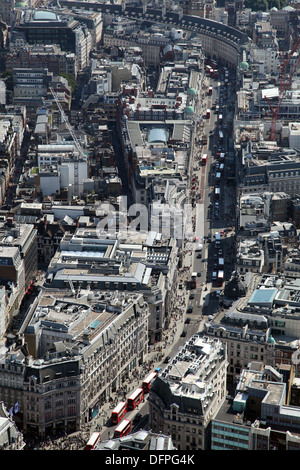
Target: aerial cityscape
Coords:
[(149, 225)]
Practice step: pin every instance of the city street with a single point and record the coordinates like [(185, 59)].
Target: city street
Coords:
[(212, 214), (192, 306)]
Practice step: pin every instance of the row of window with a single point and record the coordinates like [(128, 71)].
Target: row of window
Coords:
[(284, 174)]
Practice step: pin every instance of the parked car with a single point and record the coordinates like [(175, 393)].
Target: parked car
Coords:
[(187, 320)]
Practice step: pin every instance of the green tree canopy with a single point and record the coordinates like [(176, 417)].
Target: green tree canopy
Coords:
[(257, 5), (71, 81)]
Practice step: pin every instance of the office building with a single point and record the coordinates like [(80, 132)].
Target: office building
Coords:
[(70, 355), (18, 260), (139, 262), (140, 440), (188, 392), (48, 56), (10, 437), (47, 27), (236, 426)]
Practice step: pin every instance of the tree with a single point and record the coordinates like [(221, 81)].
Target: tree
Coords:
[(274, 3), (257, 5), (71, 81)]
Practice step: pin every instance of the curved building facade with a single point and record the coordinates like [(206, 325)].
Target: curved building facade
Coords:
[(218, 40)]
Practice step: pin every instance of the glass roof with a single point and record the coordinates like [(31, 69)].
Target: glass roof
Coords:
[(44, 15)]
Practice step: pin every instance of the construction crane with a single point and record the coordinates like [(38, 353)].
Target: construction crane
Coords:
[(285, 83), (75, 140)]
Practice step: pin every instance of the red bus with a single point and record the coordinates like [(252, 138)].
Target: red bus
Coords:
[(204, 159), (118, 412), (210, 90), (215, 73), (208, 69), (93, 441), (135, 398), (123, 428), (148, 382), (207, 113), (220, 278)]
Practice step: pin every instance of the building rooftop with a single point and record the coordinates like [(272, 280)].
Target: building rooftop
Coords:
[(140, 440), (79, 319), (187, 377), (263, 296)]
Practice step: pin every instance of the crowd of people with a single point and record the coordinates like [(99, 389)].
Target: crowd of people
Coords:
[(78, 440), (67, 442)]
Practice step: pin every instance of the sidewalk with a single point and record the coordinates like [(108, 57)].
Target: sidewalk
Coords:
[(161, 349), (156, 355)]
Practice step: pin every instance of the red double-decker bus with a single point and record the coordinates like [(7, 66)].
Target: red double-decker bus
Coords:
[(148, 382), (118, 412), (220, 278), (208, 68), (123, 428), (93, 441), (135, 398), (204, 159)]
